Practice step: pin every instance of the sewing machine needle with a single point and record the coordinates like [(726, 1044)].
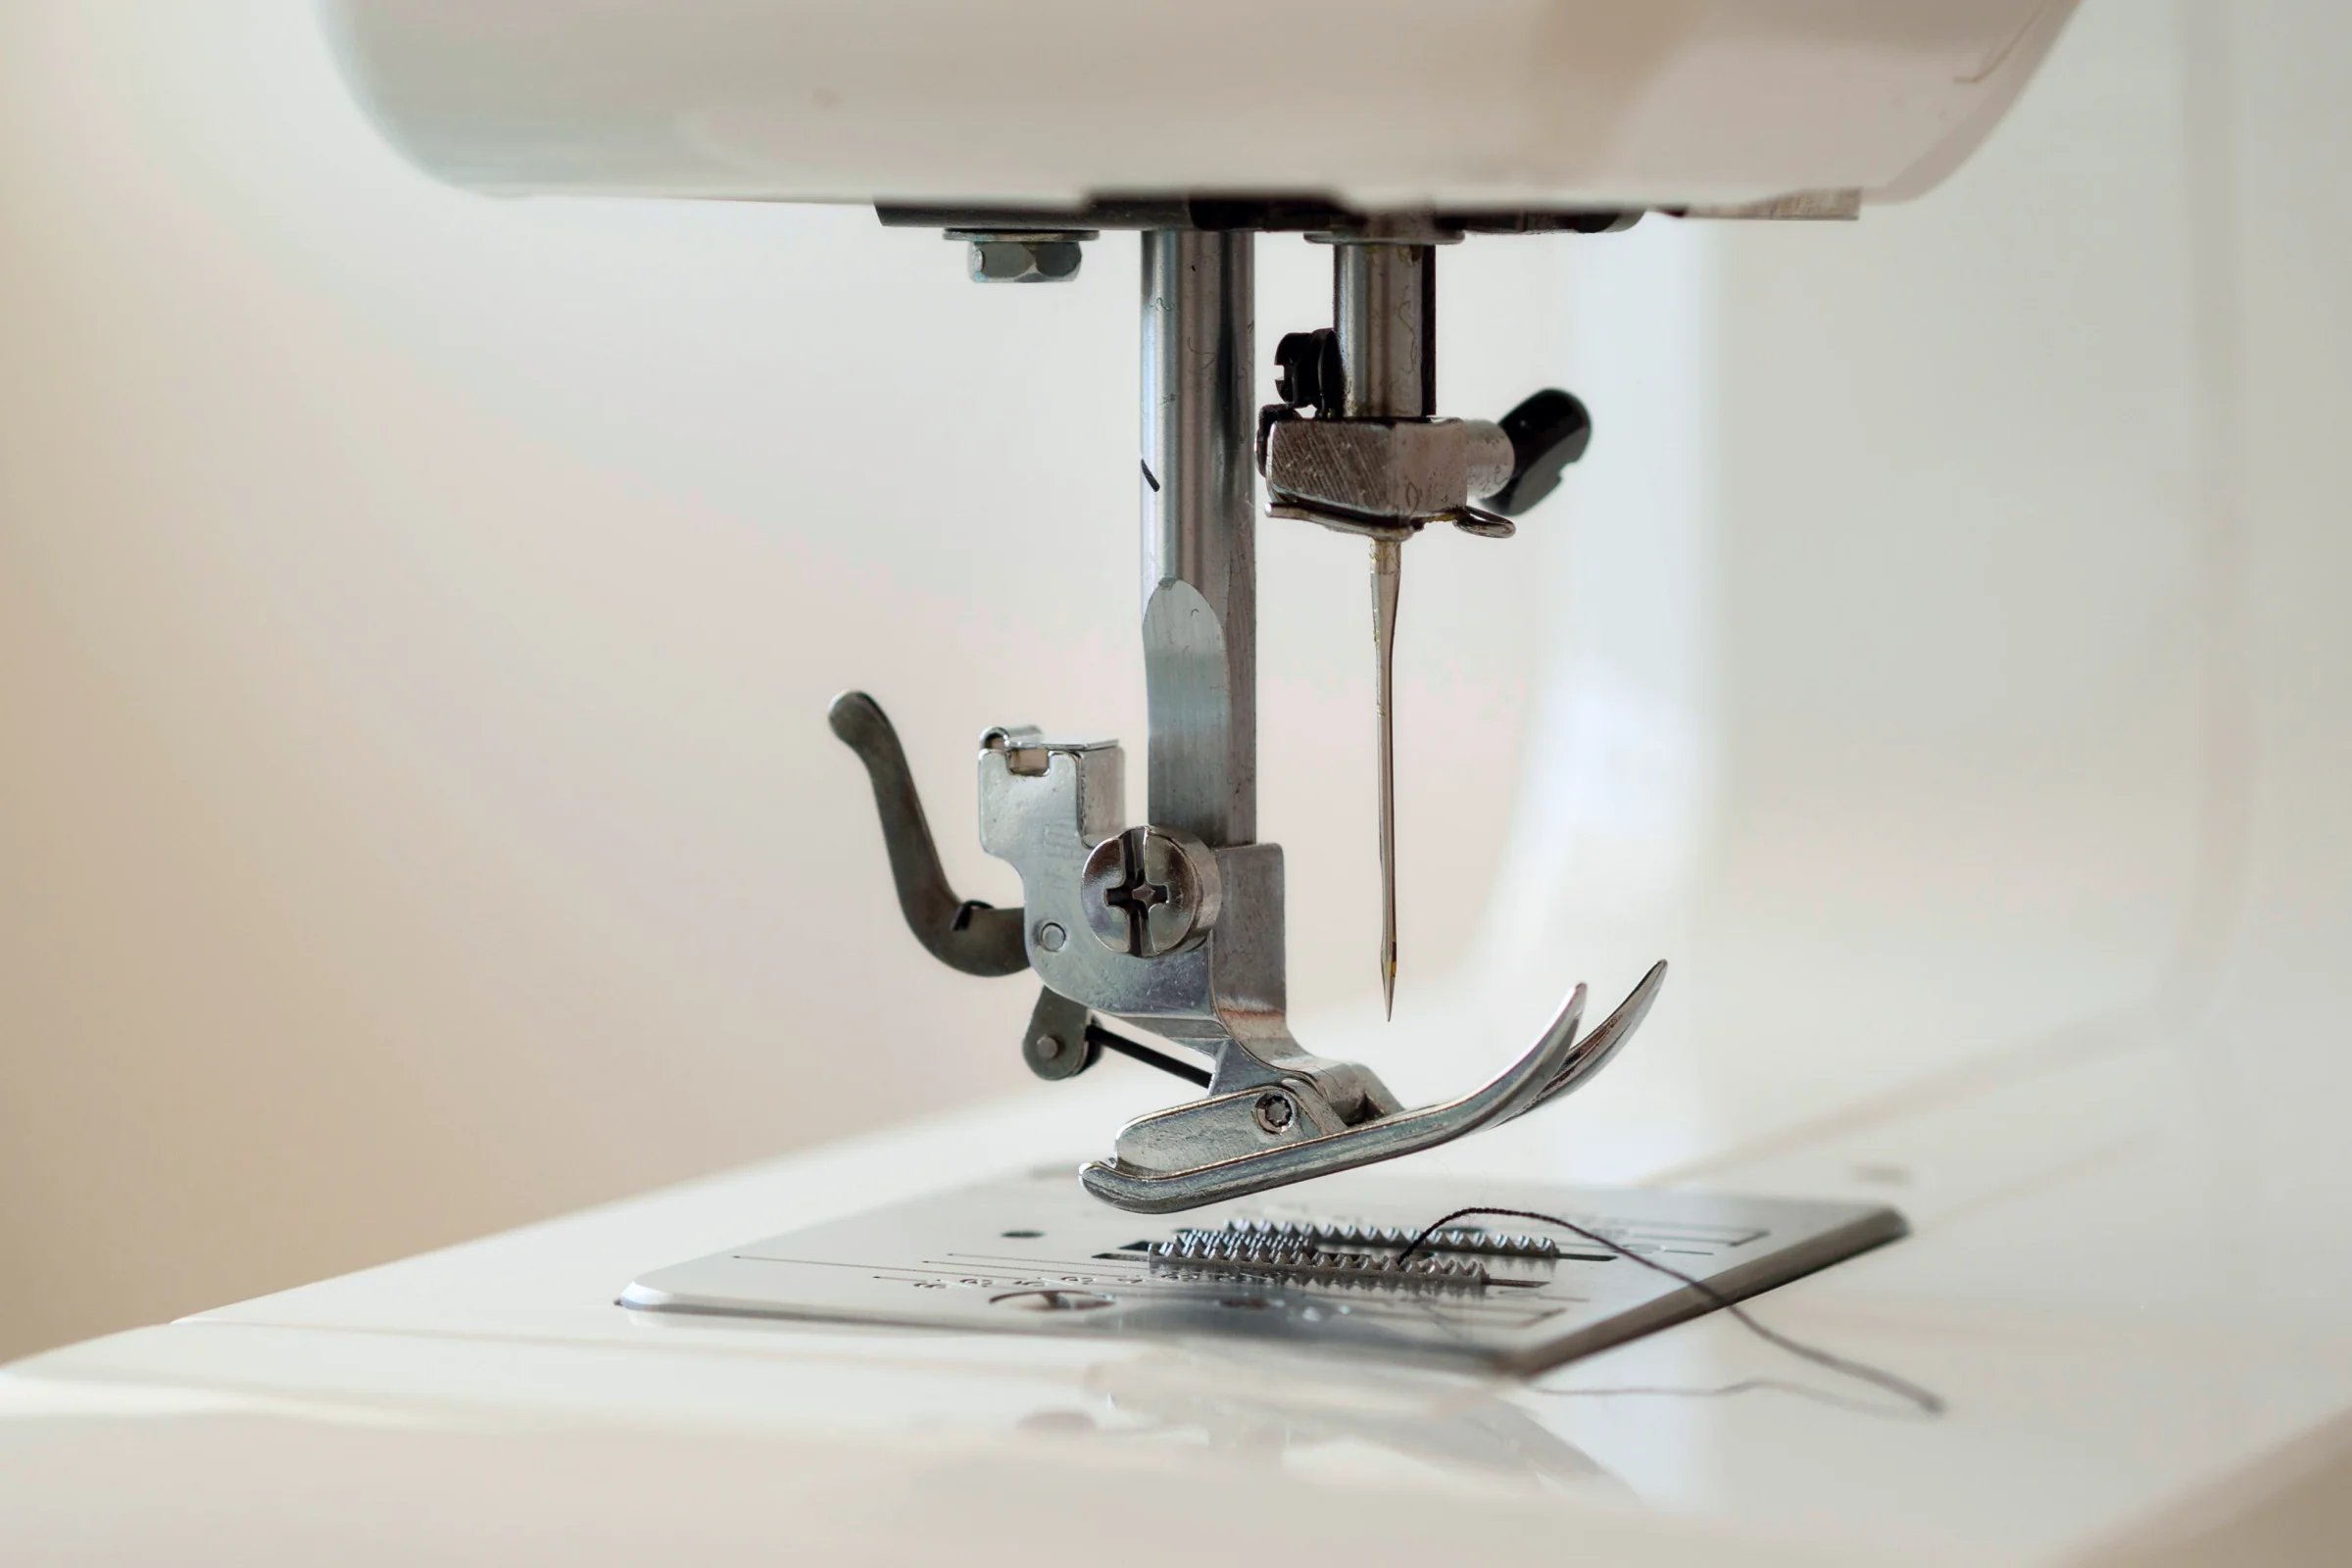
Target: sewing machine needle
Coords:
[(1388, 561)]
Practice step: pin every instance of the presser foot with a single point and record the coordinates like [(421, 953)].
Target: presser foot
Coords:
[(1153, 925), (1232, 1144)]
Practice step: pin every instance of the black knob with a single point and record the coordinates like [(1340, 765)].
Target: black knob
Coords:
[(1548, 432), (1309, 375)]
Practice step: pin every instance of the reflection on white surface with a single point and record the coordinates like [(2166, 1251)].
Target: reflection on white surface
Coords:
[(27, 1396), (1616, 810)]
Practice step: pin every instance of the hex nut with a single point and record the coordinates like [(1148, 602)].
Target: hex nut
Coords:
[(1024, 259)]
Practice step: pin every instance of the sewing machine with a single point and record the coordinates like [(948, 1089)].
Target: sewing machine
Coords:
[(1395, 137), (1385, 138)]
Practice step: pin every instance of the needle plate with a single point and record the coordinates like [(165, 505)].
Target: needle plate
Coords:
[(1316, 1266)]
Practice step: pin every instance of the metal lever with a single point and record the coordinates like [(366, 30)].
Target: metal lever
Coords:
[(1548, 431), (962, 933)]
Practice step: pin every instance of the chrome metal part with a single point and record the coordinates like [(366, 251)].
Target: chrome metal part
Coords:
[(1376, 461), (1176, 923), (1482, 524), (1151, 891), (1226, 1127), (1339, 1274), (1385, 297), (1025, 1253), (1596, 1051), (1045, 806), (1059, 1041), (1387, 568), (1139, 1178), (1408, 469), (1050, 256), (1357, 523), (1235, 1255), (1470, 520), (1356, 1233), (1199, 577)]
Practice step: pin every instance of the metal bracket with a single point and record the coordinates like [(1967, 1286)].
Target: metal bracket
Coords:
[(1275, 1113)]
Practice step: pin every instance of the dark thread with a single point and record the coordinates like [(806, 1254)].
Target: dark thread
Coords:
[(1930, 1403)]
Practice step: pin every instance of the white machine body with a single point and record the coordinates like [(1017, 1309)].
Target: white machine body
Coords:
[(1393, 103)]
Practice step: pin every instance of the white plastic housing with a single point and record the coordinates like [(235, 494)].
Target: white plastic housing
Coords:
[(1376, 103)]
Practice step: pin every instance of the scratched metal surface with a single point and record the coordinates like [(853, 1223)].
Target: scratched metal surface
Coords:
[(1033, 1253)]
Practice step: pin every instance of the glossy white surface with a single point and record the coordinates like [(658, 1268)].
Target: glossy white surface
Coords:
[(1399, 102), (2109, 1355)]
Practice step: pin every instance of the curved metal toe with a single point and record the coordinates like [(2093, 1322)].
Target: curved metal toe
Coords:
[(1596, 1051), (1558, 1063)]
